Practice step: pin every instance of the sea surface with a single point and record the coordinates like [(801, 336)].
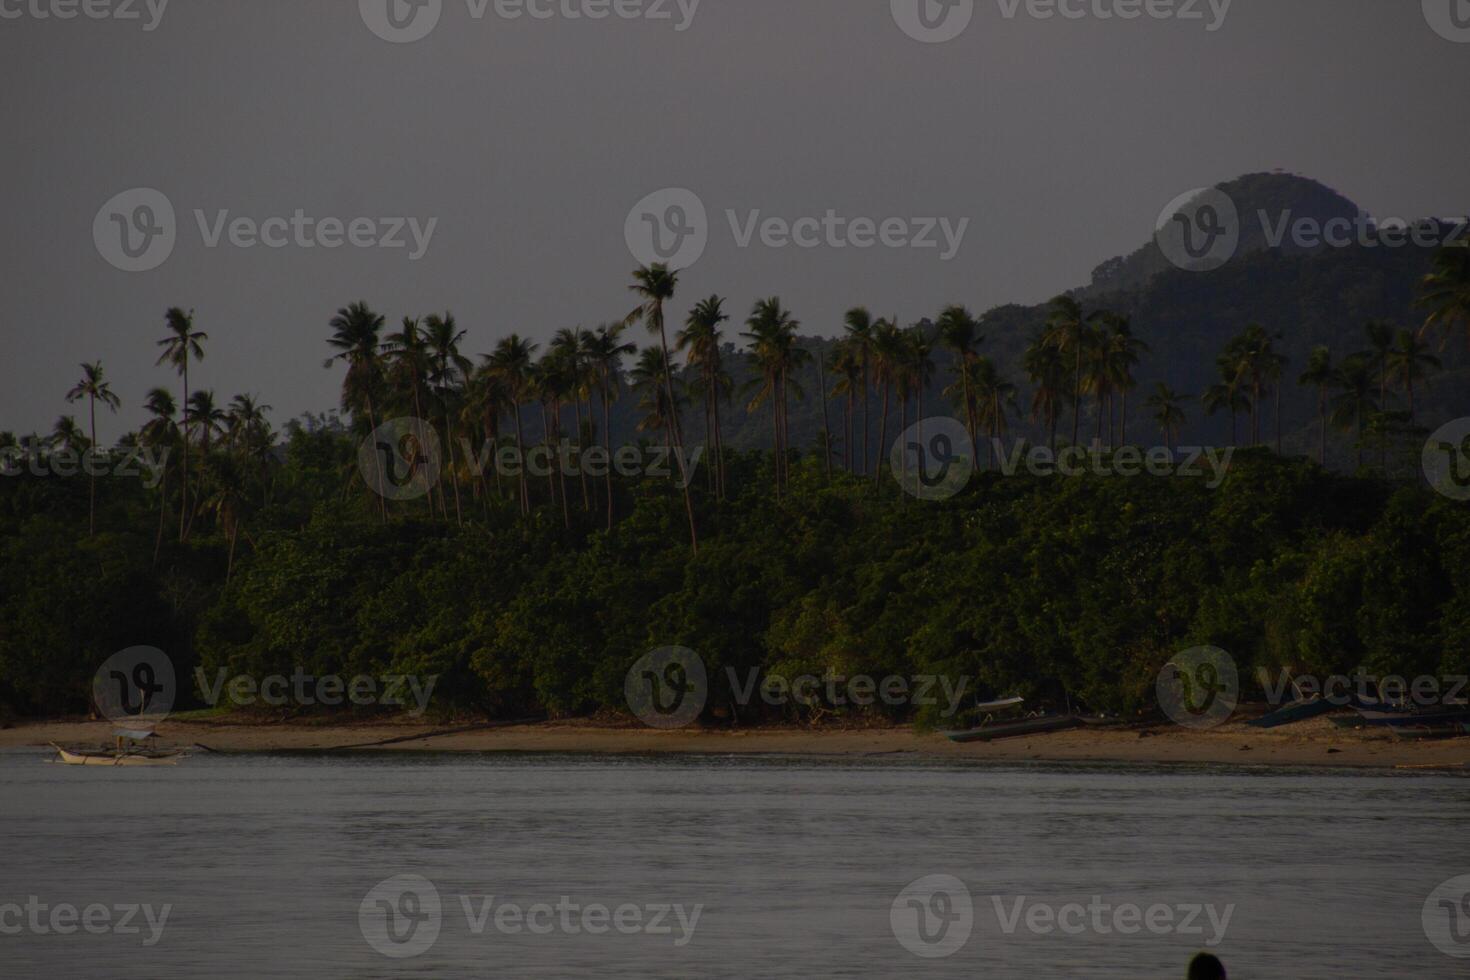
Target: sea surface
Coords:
[(385, 865)]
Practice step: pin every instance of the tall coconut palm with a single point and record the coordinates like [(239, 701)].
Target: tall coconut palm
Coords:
[(960, 332), (449, 368), (1227, 395), (1445, 291), (994, 395), (1409, 361), (859, 324), (1050, 380), (94, 388), (1167, 409), (1321, 375), (160, 433), (655, 285), (68, 435), (355, 331), (408, 358), (606, 349), (512, 363), (567, 349), (182, 344), (1068, 332), (1120, 355), (771, 330), (888, 360), (1357, 382), (847, 364), (701, 338)]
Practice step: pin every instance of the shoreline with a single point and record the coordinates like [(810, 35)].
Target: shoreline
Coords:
[(1314, 743)]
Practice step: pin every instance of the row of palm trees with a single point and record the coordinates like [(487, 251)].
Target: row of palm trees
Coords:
[(1077, 359)]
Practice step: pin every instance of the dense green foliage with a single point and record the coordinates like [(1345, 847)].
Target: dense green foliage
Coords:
[(1059, 588)]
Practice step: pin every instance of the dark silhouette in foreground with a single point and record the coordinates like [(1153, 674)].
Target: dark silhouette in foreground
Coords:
[(1206, 967)]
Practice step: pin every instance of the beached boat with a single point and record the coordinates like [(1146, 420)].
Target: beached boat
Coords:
[(1453, 729), (132, 749), (1295, 711), (1012, 729)]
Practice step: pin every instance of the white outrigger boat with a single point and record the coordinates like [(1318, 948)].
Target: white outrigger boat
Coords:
[(131, 750)]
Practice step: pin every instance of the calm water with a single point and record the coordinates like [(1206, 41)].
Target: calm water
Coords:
[(796, 864)]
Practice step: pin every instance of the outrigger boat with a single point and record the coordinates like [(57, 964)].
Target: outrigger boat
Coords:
[(989, 731), (131, 750)]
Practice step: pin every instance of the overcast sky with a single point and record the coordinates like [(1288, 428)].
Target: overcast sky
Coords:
[(529, 140)]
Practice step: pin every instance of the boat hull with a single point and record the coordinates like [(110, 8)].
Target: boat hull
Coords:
[(75, 757)]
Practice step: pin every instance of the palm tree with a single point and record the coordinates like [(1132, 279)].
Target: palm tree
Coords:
[(566, 348), (701, 337), (512, 364), (771, 329), (960, 332), (355, 331), (160, 432), (408, 356), (849, 368), (1409, 361), (1067, 331), (1168, 411), (94, 388), (448, 368), (992, 394), (1320, 374), (655, 286), (1356, 381), (1120, 356), (1445, 291), (888, 358), (68, 435), (182, 343), (606, 349), (1049, 376), (859, 326)]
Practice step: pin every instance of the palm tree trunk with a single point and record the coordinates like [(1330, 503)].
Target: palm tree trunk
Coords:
[(521, 451), (826, 429), (970, 411), (162, 511), (882, 434), (586, 497), (184, 471), (674, 428), (453, 472), (92, 470), (867, 426)]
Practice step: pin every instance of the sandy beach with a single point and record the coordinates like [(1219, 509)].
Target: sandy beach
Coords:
[(1311, 743)]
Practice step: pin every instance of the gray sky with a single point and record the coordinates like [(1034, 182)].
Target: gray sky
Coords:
[(530, 140)]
